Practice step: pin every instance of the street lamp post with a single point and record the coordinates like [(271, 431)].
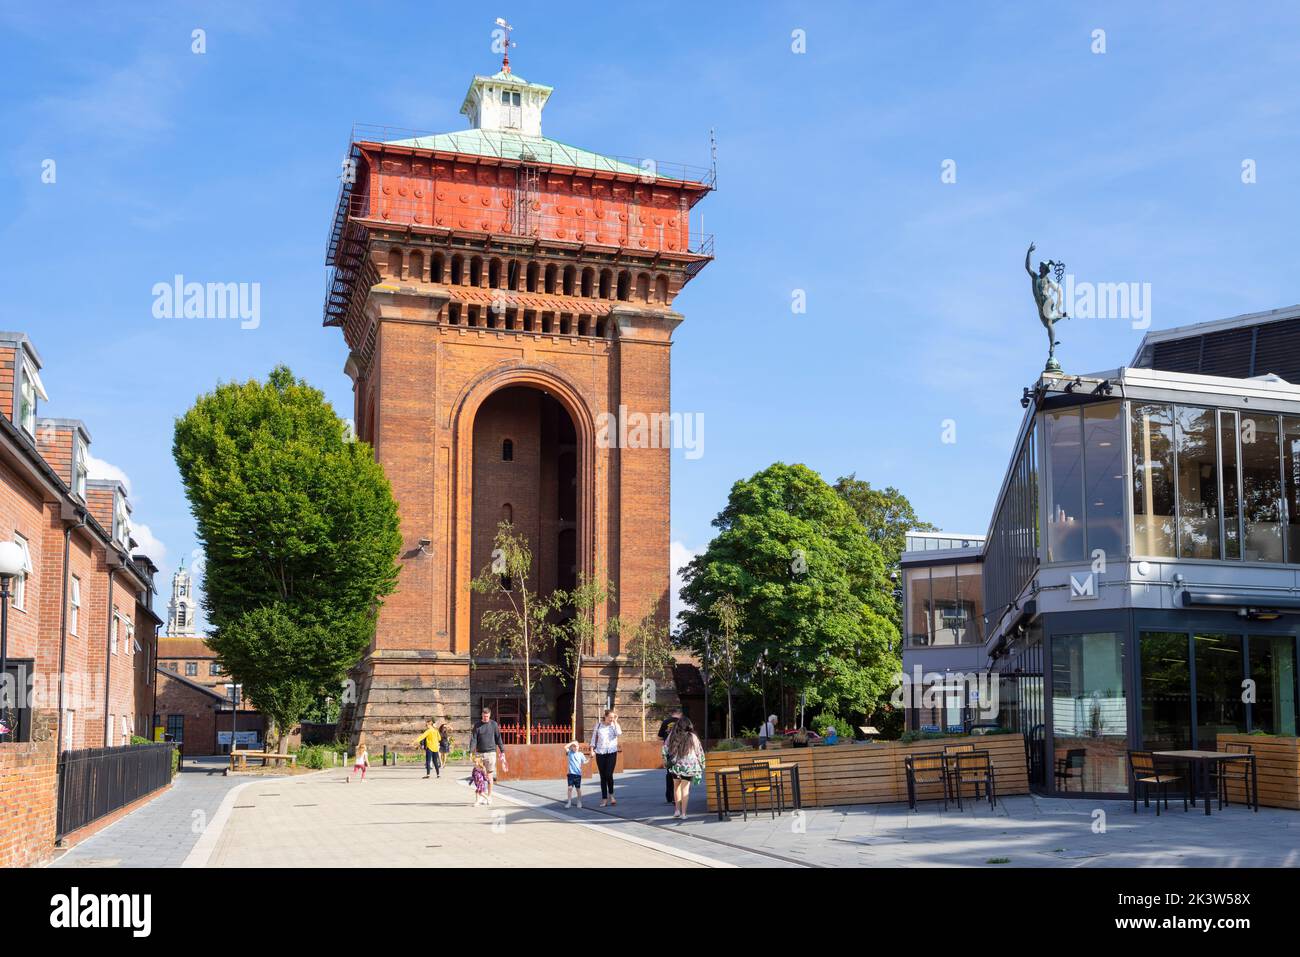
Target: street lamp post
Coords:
[(11, 565)]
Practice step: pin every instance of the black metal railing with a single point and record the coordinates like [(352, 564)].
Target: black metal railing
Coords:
[(94, 782)]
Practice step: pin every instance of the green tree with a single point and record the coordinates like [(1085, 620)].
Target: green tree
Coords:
[(576, 630), (809, 584), (886, 514), (651, 649), (300, 537), (725, 652), (518, 631)]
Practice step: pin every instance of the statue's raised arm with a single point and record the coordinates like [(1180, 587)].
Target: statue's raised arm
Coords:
[(1028, 268)]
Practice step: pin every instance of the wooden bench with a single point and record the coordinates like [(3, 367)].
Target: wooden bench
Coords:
[(239, 758)]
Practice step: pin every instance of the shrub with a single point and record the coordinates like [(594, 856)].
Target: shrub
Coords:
[(907, 737), (842, 727), (731, 744)]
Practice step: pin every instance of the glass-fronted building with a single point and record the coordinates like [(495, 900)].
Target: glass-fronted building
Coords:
[(943, 623), (1141, 577)]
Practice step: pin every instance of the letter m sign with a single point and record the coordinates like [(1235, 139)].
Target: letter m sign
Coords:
[(1082, 589)]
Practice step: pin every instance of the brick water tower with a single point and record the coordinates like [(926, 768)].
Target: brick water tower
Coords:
[(499, 293)]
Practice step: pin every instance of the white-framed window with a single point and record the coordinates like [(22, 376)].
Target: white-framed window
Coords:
[(80, 469), (29, 388), (122, 522), (191, 669), (126, 729), (74, 606), (113, 628), (214, 669), (132, 646), (19, 598)]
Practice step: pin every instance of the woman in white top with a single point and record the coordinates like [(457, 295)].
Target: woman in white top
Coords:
[(768, 730), (604, 744)]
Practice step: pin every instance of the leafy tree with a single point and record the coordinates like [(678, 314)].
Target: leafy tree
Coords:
[(518, 630), (651, 648), (576, 630), (886, 514), (300, 536), (725, 648), (809, 584)]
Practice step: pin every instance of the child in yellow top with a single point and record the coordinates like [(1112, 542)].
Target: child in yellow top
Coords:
[(430, 741)]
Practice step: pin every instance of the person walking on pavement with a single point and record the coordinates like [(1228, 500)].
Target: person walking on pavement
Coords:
[(684, 759), (664, 728), (604, 744), (767, 732), (444, 744), (485, 741), (430, 741)]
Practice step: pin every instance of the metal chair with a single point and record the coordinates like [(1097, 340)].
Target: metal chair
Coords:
[(1229, 772), (950, 751), (976, 767), (1075, 759), (930, 767), (1144, 774), (756, 779)]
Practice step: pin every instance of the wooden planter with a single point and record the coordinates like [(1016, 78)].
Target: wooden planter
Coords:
[(870, 773), (1278, 761)]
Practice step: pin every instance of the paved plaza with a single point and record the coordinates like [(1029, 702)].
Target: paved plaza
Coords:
[(398, 819)]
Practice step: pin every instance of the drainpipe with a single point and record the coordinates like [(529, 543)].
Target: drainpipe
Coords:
[(108, 659), (63, 627)]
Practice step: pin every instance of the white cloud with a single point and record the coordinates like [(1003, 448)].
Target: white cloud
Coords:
[(679, 555), (147, 544), (99, 469)]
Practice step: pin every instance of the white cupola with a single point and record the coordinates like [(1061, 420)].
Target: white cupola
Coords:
[(505, 103)]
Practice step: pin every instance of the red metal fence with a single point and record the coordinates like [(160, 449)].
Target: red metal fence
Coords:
[(542, 733)]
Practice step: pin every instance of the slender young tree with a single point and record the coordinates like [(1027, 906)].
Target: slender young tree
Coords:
[(518, 629), (651, 648), (726, 647), (576, 631)]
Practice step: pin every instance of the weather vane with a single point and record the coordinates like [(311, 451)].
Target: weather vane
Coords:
[(1049, 300), (506, 44)]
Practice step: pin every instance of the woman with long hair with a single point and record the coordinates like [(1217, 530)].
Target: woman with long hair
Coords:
[(604, 744), (684, 761)]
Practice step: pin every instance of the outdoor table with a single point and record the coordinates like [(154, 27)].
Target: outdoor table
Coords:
[(723, 800), (1199, 764)]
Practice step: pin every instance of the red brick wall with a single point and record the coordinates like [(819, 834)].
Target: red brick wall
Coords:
[(28, 798), (202, 718)]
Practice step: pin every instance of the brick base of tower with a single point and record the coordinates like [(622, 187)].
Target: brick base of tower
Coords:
[(398, 691)]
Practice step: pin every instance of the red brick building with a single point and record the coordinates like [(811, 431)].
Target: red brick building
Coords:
[(502, 295), (81, 633)]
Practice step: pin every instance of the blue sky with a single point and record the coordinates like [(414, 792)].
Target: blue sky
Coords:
[(223, 167)]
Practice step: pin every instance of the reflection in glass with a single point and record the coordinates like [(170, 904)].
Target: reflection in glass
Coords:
[(1231, 485), (1261, 480), (918, 606), (1166, 691), (1065, 536), (1103, 440), (970, 591), (1089, 713), (1219, 708), (1153, 490), (947, 612), (1198, 482), (1291, 449), (1272, 666)]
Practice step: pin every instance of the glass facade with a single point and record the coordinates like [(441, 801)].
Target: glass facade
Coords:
[(945, 604), (1011, 555), (1166, 691), (1152, 442), (1089, 713), (1273, 669), (1085, 469)]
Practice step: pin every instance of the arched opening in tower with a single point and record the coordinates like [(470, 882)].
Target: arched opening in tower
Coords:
[(536, 485)]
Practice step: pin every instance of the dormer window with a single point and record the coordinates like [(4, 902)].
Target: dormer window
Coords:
[(122, 523), (29, 390), (80, 470)]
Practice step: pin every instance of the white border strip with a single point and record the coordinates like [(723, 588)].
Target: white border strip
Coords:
[(201, 852), (630, 839)]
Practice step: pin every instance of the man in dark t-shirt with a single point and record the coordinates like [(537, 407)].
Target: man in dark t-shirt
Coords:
[(485, 741), (665, 728)]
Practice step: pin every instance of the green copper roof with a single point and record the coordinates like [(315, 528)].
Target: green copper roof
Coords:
[(513, 146)]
